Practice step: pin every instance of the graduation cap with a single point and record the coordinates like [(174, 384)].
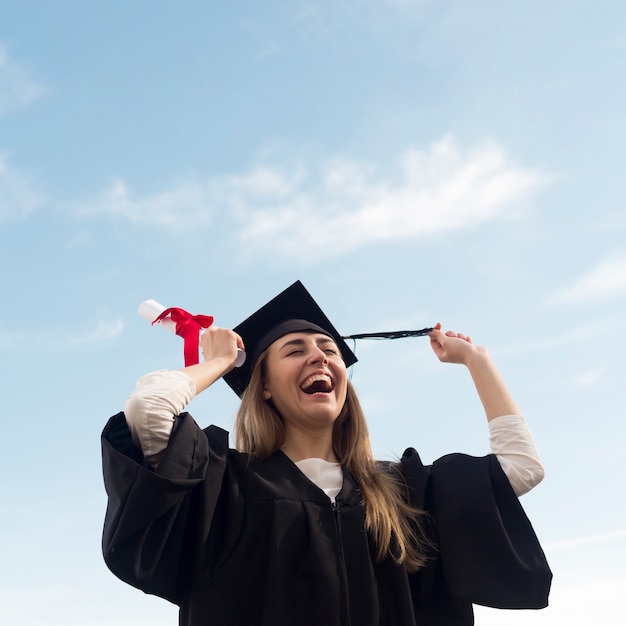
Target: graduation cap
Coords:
[(293, 310)]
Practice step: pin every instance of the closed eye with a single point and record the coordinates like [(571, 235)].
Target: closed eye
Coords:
[(297, 346)]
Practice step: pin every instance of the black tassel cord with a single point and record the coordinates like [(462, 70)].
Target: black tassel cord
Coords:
[(393, 334)]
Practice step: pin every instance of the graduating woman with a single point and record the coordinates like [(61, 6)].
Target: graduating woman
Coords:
[(299, 525)]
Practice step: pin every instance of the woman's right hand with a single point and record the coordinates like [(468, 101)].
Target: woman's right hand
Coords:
[(220, 343)]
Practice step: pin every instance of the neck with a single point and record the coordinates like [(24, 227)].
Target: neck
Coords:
[(299, 445)]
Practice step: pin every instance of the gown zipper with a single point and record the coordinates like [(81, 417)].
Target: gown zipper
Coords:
[(337, 515)]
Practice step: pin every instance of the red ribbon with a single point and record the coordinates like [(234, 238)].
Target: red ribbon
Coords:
[(188, 327)]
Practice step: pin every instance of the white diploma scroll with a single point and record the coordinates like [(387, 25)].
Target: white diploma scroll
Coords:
[(151, 309)]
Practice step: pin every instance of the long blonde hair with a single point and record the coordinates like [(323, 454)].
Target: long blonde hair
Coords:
[(395, 526)]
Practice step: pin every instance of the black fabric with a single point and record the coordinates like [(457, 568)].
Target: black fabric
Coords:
[(237, 541)]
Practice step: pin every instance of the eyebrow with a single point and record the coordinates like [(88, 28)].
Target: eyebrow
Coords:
[(322, 339)]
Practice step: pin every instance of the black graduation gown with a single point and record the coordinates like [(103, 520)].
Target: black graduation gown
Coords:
[(238, 541)]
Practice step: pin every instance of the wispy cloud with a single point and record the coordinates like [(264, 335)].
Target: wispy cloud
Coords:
[(403, 3), (587, 540), (186, 205), (31, 340), (352, 204), (192, 203), (17, 197), (607, 280), (591, 377), (346, 204), (567, 334), (17, 89)]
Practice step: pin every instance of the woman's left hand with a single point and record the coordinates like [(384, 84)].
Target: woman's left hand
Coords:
[(451, 347)]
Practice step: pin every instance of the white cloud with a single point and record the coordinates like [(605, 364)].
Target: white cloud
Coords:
[(351, 204), (403, 3), (590, 378), (607, 280), (183, 206), (17, 89), (575, 603), (342, 204), (101, 334), (17, 197), (586, 540), (192, 203), (60, 340), (576, 334), (589, 578)]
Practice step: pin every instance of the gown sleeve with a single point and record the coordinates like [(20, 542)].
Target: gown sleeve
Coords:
[(149, 536), (488, 552)]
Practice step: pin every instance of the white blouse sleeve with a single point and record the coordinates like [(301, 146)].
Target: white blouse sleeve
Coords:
[(151, 408), (512, 442)]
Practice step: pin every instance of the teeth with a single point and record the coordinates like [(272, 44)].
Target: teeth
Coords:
[(317, 382)]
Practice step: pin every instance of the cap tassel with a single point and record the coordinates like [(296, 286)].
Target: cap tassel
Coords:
[(393, 334)]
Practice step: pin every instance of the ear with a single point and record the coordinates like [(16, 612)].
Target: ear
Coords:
[(267, 395)]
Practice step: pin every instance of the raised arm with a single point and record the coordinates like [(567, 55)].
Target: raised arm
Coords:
[(160, 396), (451, 347), (510, 438), (219, 349)]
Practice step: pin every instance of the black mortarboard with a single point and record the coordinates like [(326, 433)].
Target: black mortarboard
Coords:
[(293, 310)]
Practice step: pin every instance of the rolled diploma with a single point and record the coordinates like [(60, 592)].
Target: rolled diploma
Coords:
[(151, 309)]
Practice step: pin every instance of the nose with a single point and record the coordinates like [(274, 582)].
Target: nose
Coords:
[(318, 355)]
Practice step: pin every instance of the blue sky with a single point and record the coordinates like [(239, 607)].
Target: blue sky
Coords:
[(409, 161)]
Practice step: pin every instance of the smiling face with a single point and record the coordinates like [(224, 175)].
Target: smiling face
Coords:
[(306, 380)]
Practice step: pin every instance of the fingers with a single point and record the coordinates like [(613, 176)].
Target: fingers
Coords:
[(220, 342), (450, 346), (451, 333), (437, 332)]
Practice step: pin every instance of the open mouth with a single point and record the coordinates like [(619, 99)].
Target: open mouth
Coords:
[(317, 383)]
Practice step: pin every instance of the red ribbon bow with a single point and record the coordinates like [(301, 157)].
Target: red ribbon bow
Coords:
[(188, 327)]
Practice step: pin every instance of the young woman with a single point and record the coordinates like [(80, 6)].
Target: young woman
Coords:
[(299, 525)]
